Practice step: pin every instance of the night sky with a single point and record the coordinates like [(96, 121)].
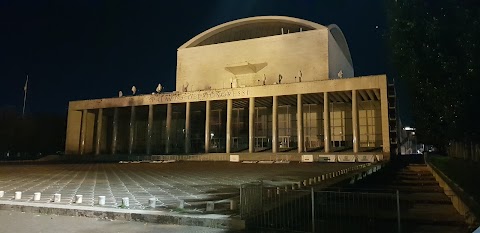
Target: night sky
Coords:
[(89, 49)]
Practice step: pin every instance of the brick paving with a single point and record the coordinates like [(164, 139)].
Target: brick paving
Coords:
[(168, 183)]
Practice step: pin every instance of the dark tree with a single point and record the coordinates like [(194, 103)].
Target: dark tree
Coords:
[(436, 50)]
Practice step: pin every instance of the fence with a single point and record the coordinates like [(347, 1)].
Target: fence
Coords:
[(318, 211), (464, 150)]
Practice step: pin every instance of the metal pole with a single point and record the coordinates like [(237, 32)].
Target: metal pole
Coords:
[(398, 213), (25, 88), (313, 210)]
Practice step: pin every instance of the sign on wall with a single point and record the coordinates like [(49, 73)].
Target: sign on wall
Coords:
[(327, 158), (366, 158), (346, 158), (234, 158)]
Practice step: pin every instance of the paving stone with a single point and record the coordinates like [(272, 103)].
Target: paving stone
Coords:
[(166, 182)]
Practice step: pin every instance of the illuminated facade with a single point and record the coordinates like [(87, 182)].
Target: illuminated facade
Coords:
[(254, 86)]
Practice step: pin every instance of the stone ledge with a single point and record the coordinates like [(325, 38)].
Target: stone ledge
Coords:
[(463, 203), (151, 216)]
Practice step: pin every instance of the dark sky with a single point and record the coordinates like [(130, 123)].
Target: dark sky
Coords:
[(90, 49)]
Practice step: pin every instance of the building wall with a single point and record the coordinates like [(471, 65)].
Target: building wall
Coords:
[(370, 124), (89, 133), (204, 67), (337, 60), (74, 123)]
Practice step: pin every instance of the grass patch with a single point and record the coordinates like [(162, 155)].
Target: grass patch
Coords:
[(464, 173)]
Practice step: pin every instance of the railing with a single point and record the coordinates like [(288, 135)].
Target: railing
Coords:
[(318, 211), (464, 150), (262, 142)]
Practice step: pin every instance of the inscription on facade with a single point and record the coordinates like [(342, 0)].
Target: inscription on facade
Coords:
[(203, 95)]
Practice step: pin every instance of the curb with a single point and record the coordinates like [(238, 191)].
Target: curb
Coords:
[(151, 216)]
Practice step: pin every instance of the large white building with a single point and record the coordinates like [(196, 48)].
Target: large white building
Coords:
[(256, 86)]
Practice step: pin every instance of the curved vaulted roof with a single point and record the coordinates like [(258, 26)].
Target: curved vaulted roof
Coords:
[(342, 43), (262, 26)]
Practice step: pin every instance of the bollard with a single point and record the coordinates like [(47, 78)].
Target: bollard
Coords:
[(315, 180), (233, 205), (36, 196), (57, 197), (2, 193), (305, 183), (323, 177), (181, 204), (78, 199), (18, 195), (152, 202), (278, 190), (125, 202), (310, 181), (101, 200), (210, 205)]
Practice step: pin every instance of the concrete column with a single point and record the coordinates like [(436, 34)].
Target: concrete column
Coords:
[(115, 130), (207, 125), (229, 126), (131, 139), (356, 136), (149, 129), (275, 125), (187, 127), (99, 131), (251, 125), (168, 128), (300, 123), (326, 122), (83, 131)]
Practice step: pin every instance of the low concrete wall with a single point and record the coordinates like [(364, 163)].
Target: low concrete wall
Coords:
[(292, 157), (206, 220), (463, 203)]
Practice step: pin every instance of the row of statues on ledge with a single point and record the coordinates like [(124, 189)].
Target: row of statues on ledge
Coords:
[(134, 90), (232, 83)]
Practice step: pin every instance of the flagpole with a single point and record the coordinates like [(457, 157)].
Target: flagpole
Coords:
[(24, 97)]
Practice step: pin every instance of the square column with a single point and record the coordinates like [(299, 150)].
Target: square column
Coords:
[(83, 131), (326, 122), (275, 125), (168, 127), (131, 138), (187, 127), (99, 131), (251, 125), (208, 107), (356, 137), (149, 129), (229, 125), (300, 123), (115, 131)]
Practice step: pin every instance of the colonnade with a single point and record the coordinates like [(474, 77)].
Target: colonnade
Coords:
[(208, 109)]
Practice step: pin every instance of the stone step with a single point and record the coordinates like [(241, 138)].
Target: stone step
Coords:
[(416, 189), (434, 228), (433, 214), (432, 198), (416, 182), (415, 174), (406, 177)]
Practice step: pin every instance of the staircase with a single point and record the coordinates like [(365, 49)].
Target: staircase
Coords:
[(428, 209), (424, 207)]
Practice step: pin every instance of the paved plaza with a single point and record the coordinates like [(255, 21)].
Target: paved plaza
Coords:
[(192, 182)]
